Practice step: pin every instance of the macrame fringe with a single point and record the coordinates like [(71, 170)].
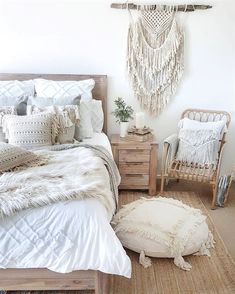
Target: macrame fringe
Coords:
[(155, 60)]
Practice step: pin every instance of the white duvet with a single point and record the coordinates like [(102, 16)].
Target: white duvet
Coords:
[(63, 237)]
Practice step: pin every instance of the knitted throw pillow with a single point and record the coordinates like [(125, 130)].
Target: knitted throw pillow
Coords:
[(31, 130), (68, 117), (12, 157)]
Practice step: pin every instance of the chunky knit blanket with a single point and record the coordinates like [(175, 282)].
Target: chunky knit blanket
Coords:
[(77, 171)]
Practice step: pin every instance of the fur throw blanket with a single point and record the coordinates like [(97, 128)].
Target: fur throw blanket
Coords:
[(75, 171)]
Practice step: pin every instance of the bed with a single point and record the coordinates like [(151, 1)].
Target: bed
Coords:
[(68, 277)]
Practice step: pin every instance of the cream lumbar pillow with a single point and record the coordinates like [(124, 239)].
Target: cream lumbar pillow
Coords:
[(31, 130), (14, 157), (163, 227)]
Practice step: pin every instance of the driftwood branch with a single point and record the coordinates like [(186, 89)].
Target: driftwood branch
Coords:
[(184, 7)]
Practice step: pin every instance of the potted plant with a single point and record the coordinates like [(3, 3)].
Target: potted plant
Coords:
[(123, 114)]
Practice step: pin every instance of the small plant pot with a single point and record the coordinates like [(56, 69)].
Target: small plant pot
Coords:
[(123, 129)]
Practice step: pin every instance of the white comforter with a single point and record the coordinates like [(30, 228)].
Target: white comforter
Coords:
[(64, 236)]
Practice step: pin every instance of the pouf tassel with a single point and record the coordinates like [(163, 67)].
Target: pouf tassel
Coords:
[(181, 263), (204, 250), (144, 261)]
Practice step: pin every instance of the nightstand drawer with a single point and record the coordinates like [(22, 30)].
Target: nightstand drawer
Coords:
[(134, 180), (134, 155), (134, 168)]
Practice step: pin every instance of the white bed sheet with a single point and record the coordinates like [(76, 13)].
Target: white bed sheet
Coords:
[(65, 236), (99, 139)]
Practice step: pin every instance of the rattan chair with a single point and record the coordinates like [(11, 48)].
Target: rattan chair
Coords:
[(172, 168)]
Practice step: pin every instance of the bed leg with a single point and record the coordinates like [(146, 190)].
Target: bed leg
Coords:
[(102, 283)]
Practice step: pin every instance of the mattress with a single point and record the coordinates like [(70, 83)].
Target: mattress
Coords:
[(64, 236)]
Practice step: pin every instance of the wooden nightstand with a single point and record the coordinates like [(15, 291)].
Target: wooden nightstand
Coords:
[(137, 163)]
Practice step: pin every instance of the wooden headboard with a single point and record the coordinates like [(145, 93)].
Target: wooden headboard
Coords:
[(99, 92)]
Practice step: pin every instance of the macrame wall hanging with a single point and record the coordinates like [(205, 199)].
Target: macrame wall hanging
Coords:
[(155, 53)]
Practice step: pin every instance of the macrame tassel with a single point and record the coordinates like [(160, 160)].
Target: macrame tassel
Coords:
[(181, 263), (144, 261)]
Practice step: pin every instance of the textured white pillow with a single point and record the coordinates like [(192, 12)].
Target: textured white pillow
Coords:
[(16, 88), (217, 126), (199, 147), (5, 110), (163, 227), (31, 130), (12, 157), (50, 89), (68, 117), (199, 141), (97, 115)]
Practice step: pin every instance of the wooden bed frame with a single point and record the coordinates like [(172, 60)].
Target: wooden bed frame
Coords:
[(44, 279)]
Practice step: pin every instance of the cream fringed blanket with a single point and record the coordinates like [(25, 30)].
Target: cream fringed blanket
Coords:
[(74, 172)]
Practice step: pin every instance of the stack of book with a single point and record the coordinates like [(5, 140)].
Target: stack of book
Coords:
[(139, 135)]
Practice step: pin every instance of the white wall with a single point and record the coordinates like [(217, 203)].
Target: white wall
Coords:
[(69, 36)]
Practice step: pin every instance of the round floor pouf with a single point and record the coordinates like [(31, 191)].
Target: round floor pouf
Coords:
[(163, 227)]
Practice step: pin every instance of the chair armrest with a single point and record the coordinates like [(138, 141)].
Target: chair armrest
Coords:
[(171, 143), (170, 146)]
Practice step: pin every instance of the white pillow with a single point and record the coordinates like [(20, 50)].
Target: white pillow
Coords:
[(31, 130), (97, 115), (85, 127), (217, 126), (68, 117), (199, 147), (16, 88), (199, 141), (50, 89), (163, 227)]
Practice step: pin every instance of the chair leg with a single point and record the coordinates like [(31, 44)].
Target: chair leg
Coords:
[(162, 184), (213, 204)]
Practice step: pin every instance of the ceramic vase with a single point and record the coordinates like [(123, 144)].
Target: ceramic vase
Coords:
[(123, 128)]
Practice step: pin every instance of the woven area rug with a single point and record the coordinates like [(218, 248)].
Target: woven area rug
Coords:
[(209, 275)]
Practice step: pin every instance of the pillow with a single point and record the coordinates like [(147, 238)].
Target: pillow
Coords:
[(174, 231), (20, 103), (50, 101), (199, 141), (50, 89), (85, 129), (198, 147), (3, 111), (217, 126), (12, 157), (31, 131), (97, 115), (16, 88), (68, 117)]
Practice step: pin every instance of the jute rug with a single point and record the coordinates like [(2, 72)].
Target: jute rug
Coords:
[(209, 275)]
